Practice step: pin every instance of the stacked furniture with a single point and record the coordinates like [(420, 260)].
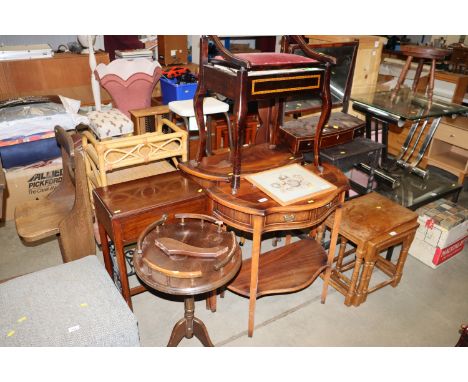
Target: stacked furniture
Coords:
[(135, 156), (267, 79), (264, 78), (115, 150), (372, 224)]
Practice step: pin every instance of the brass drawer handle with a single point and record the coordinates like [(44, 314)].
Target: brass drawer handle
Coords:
[(452, 135), (289, 217)]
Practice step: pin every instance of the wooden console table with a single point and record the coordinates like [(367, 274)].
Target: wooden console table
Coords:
[(289, 268), (124, 210)]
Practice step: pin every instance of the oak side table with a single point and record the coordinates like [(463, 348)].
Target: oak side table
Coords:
[(373, 223)]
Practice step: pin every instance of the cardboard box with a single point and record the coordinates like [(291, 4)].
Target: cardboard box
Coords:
[(33, 182), (172, 50), (441, 234)]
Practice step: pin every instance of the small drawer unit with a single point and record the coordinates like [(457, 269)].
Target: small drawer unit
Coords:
[(299, 134), (449, 147)]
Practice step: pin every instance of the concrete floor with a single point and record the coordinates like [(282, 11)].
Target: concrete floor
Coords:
[(426, 309)]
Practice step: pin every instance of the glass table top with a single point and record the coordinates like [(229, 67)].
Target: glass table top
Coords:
[(413, 191), (407, 105)]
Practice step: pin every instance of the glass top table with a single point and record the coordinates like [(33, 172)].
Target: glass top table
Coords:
[(406, 105), (413, 192), (384, 107), (401, 178)]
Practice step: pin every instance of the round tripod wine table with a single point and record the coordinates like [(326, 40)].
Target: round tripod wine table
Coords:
[(192, 256)]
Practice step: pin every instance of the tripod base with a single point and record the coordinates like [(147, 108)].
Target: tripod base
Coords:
[(189, 326)]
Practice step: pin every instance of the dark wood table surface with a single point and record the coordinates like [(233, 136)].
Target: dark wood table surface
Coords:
[(124, 210)]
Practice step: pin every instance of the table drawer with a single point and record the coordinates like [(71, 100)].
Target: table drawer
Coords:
[(299, 219), (306, 145), (336, 139), (452, 135)]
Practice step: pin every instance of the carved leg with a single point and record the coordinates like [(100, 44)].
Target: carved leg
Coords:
[(368, 268), (319, 233), (355, 277), (199, 330), (178, 332), (211, 301), (341, 252), (324, 115), (229, 131), (402, 77), (418, 74), (120, 257), (402, 259), (209, 140), (240, 111), (189, 326), (105, 250), (198, 108)]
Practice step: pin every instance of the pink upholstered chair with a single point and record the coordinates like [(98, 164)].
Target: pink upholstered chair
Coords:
[(130, 83)]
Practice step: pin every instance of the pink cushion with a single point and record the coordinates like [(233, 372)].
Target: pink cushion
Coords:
[(133, 93), (274, 59)]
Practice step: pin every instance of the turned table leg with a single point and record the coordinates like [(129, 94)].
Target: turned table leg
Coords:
[(189, 326), (256, 246)]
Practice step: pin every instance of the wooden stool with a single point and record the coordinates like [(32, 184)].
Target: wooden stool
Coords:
[(373, 223), (422, 53), (211, 106)]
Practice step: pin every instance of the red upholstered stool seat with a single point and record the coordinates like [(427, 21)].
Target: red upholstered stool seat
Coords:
[(272, 60)]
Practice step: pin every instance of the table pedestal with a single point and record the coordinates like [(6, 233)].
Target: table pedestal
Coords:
[(189, 326)]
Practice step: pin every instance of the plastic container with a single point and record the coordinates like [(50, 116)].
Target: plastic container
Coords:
[(172, 92)]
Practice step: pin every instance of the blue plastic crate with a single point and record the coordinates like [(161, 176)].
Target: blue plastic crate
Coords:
[(172, 92)]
